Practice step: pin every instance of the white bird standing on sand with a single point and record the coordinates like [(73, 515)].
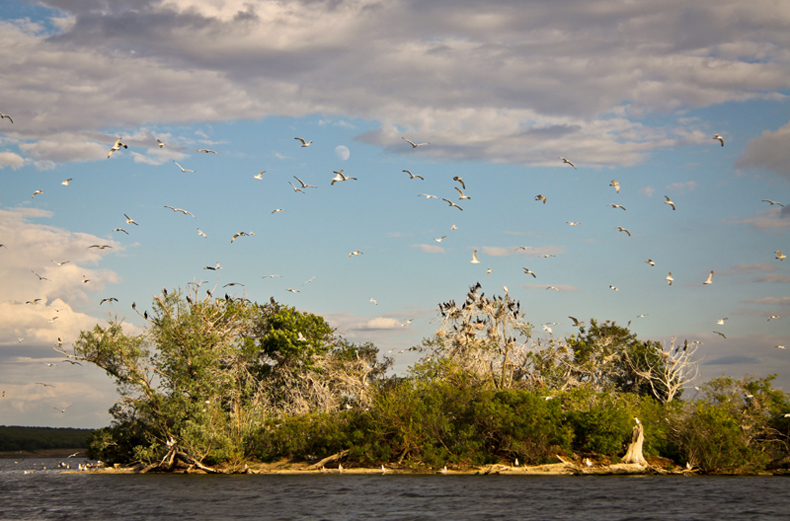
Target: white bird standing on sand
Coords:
[(568, 162), (721, 139), (182, 168), (413, 144), (669, 202), (412, 176), (710, 278), (304, 143), (474, 258)]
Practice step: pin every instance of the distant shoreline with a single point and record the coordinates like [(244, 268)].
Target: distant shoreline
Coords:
[(44, 453)]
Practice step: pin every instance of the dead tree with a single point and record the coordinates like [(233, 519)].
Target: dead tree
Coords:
[(634, 452)]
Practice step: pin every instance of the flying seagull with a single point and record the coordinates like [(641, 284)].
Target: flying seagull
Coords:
[(355, 252), (36, 193), (616, 185), (530, 272), (129, 220), (573, 223), (541, 198), (213, 268), (650, 261), (772, 317), (772, 202), (294, 187), (720, 334), (100, 246), (427, 196), (460, 180), (669, 202), (452, 203), (669, 278), (304, 185), (564, 161), (304, 143), (111, 299), (576, 322), (277, 210), (374, 301), (39, 276), (117, 146), (293, 290), (181, 210), (240, 234), (440, 238), (721, 321), (200, 232), (710, 278), (412, 176), (339, 177), (613, 288), (259, 175), (413, 144), (721, 139), (61, 263), (182, 168), (461, 194), (207, 151), (6, 116), (780, 255), (617, 206), (66, 182), (160, 143), (621, 229), (474, 258)]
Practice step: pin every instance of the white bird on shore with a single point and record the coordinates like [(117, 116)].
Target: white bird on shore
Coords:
[(412, 176), (721, 139), (710, 278), (474, 258), (182, 168), (413, 144), (565, 161), (304, 143), (669, 202)]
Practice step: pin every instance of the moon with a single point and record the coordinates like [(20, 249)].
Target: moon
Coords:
[(342, 152)]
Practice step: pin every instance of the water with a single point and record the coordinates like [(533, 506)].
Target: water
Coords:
[(48, 494)]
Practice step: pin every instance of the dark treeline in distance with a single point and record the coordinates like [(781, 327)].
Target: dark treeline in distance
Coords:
[(225, 382), (32, 439)]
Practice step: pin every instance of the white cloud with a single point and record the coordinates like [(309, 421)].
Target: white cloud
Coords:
[(430, 248), (769, 219), (770, 151), (380, 323), (648, 191), (11, 159), (682, 187), (775, 301)]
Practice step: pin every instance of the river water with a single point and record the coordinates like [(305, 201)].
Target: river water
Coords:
[(49, 494)]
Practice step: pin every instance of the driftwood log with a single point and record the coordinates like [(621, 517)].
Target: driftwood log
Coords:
[(330, 459), (634, 452)]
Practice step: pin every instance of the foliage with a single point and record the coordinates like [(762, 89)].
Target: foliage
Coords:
[(14, 438)]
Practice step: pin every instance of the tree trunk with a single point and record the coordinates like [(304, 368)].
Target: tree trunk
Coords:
[(634, 452), (329, 459)]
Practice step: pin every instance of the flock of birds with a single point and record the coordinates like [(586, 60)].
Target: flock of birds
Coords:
[(340, 177)]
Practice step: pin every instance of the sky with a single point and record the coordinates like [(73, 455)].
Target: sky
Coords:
[(626, 91)]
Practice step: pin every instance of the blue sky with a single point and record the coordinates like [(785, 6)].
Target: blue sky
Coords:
[(627, 92)]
